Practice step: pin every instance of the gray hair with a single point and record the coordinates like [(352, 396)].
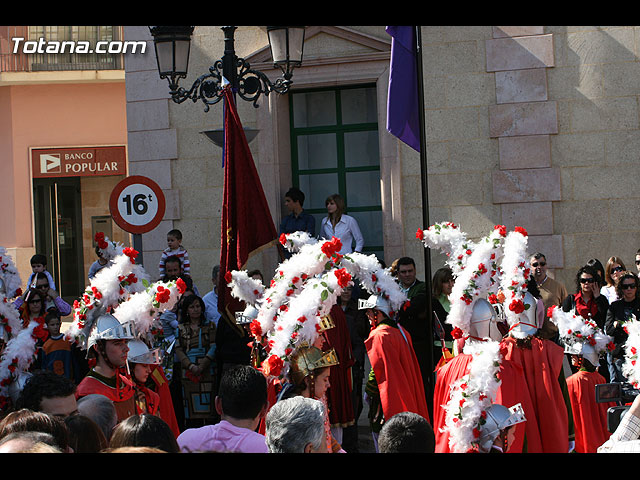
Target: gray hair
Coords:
[(101, 410), (294, 423)]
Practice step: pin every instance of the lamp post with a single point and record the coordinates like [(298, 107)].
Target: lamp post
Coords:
[(172, 46)]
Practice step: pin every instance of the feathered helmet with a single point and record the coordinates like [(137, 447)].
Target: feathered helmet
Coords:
[(520, 306), (139, 352), (580, 336), (474, 318), (307, 359), (631, 349), (295, 307)]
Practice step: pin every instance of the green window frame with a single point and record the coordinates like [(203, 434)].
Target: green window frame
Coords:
[(336, 150)]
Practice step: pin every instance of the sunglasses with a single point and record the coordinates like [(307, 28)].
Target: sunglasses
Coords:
[(637, 262), (627, 286), (35, 300), (617, 269), (587, 280), (44, 285), (542, 264)]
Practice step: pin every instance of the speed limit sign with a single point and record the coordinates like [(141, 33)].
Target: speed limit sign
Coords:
[(137, 204)]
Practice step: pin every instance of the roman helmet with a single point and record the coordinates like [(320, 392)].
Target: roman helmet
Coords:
[(484, 321), (139, 352), (498, 419), (248, 315), (528, 321), (108, 327), (375, 302), (307, 359)]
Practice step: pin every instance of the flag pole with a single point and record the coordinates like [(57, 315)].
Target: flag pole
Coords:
[(425, 213)]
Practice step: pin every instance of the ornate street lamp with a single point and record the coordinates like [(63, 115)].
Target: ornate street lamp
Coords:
[(172, 45)]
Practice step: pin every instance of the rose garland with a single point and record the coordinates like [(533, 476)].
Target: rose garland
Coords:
[(471, 395), (447, 238), (9, 275), (475, 281), (18, 356), (304, 289), (515, 276), (576, 331), (631, 349)]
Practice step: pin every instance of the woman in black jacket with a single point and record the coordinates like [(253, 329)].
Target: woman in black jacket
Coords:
[(587, 301), (618, 314)]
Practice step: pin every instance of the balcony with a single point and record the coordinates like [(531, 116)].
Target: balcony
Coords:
[(20, 58)]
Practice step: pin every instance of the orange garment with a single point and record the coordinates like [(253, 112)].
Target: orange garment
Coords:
[(589, 417), (512, 390), (396, 371), (542, 366)]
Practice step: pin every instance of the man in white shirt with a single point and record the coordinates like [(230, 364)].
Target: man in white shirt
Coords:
[(211, 298)]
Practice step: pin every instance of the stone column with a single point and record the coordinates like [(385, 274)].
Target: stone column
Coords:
[(522, 120)]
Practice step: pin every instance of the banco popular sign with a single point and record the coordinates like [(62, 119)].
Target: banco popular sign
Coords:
[(78, 161)]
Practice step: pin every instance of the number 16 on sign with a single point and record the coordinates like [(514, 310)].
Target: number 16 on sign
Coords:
[(137, 205)]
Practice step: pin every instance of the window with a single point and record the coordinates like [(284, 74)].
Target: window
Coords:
[(335, 150), (76, 61)]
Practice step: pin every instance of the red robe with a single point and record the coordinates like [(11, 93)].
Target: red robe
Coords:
[(589, 417), (397, 371), (512, 390), (166, 411), (339, 393), (542, 366), (122, 396)]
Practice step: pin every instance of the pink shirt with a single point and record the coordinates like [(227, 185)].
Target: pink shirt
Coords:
[(222, 437)]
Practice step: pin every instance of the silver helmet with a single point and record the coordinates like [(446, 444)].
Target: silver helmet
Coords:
[(484, 321), (108, 327), (376, 302), (528, 323), (498, 419), (139, 352), (248, 315)]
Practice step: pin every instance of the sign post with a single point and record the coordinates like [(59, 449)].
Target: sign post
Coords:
[(137, 205)]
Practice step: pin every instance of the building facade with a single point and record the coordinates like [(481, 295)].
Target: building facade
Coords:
[(534, 126), (63, 148)]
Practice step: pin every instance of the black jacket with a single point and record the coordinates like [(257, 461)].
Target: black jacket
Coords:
[(621, 312)]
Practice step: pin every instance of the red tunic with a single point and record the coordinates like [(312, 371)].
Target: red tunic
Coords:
[(542, 365), (512, 390), (589, 417), (122, 395), (339, 393), (397, 371)]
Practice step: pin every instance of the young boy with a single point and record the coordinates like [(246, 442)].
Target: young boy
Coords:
[(98, 265), (39, 265), (175, 248), (58, 354)]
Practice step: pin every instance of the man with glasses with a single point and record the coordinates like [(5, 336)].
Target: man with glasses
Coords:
[(552, 291)]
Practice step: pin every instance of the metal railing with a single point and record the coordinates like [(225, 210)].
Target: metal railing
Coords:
[(19, 61)]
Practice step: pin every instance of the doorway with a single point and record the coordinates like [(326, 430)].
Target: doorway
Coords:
[(58, 232)]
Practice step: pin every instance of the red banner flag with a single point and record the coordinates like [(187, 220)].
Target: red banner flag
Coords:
[(247, 226)]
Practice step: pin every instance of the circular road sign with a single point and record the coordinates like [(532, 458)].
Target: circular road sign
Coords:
[(137, 204)]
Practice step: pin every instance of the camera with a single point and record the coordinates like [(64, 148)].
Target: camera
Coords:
[(620, 393)]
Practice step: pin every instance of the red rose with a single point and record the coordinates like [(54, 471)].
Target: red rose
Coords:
[(256, 329), (228, 277), (283, 238), (181, 286), (343, 277), (550, 311), (501, 229), (456, 333), (272, 365), (420, 234), (493, 298), (131, 253), (517, 306), (521, 230), (163, 295)]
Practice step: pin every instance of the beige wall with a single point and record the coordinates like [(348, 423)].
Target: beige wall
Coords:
[(531, 126)]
